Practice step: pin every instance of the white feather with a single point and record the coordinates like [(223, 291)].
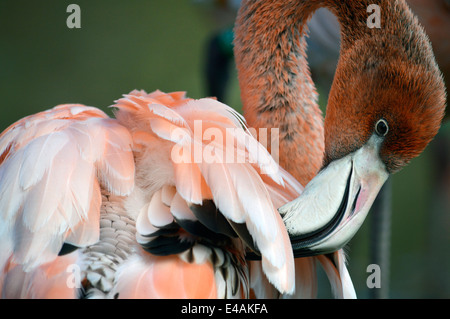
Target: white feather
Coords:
[(167, 194), (143, 225), (180, 209), (221, 183), (168, 114), (159, 214), (188, 182)]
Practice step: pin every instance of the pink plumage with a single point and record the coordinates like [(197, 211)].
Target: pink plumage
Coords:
[(90, 181)]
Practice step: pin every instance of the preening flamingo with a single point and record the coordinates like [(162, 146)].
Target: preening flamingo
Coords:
[(129, 202)]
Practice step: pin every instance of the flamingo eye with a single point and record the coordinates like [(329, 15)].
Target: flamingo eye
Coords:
[(382, 127)]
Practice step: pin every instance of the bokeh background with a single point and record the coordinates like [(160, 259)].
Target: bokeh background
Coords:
[(162, 44)]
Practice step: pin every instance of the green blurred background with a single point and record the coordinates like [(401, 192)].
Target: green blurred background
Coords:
[(160, 44)]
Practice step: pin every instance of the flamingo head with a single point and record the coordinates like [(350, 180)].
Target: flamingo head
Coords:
[(385, 105)]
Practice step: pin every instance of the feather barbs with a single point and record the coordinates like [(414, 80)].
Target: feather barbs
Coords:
[(53, 165), (214, 157)]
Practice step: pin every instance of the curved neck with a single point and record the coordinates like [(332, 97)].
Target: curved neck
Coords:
[(276, 87)]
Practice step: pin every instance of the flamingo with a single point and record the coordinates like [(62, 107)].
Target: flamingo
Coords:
[(172, 196)]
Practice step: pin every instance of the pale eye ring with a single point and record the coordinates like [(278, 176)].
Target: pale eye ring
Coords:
[(381, 127)]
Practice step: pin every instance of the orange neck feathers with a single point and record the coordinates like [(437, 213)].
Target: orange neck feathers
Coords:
[(276, 87)]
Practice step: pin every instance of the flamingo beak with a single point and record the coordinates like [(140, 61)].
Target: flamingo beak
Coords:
[(335, 203)]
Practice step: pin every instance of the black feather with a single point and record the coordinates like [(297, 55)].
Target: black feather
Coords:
[(196, 228), (212, 218), (67, 249), (165, 246)]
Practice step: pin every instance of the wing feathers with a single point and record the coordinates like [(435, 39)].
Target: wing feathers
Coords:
[(334, 267), (215, 157), (49, 190), (223, 184), (38, 157)]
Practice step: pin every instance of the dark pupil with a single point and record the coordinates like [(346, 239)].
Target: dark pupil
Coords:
[(382, 128)]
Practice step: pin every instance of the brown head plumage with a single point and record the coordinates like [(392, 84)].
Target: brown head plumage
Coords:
[(387, 73)]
